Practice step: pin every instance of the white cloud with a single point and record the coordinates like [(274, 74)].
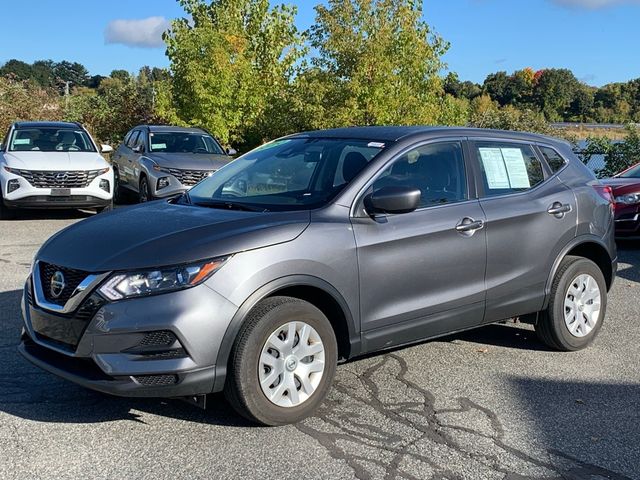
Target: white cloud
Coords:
[(146, 32), (595, 4)]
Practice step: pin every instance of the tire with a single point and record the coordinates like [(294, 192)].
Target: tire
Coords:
[(6, 213), (106, 208), (571, 292), (118, 193), (144, 192), (243, 387)]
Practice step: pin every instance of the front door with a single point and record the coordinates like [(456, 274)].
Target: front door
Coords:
[(422, 273)]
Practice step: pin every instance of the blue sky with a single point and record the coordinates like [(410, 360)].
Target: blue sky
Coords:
[(597, 39)]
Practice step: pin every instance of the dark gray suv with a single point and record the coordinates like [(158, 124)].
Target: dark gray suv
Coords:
[(317, 248), (160, 161)]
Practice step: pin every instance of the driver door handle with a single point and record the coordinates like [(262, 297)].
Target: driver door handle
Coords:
[(469, 225)]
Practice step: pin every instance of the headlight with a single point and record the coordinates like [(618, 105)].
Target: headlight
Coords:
[(628, 198), (159, 280)]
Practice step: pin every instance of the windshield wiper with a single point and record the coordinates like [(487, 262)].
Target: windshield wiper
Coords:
[(229, 206)]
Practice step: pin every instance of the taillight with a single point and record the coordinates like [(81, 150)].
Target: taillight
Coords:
[(605, 192)]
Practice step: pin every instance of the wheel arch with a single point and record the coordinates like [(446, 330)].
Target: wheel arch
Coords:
[(586, 246), (314, 290)]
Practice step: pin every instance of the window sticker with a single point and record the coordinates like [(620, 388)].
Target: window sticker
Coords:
[(22, 141), (516, 168), (158, 146), (494, 168)]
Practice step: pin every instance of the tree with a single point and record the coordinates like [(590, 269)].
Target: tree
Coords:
[(496, 85), (231, 61), (73, 72), (16, 69), (378, 63), (24, 100), (618, 156), (43, 73), (554, 91)]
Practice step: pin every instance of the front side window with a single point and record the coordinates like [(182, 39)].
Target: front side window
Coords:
[(437, 170), (133, 138), (183, 142), (288, 174), (50, 139), (508, 167), (553, 158)]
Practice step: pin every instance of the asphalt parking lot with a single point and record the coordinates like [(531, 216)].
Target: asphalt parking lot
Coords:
[(491, 403)]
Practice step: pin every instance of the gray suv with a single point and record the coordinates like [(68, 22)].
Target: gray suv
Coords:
[(157, 161), (317, 248)]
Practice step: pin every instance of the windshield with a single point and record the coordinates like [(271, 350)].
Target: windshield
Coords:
[(50, 139), (632, 172), (183, 142), (289, 174)]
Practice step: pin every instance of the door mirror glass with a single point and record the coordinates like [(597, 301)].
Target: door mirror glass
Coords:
[(138, 149), (107, 148), (231, 151), (398, 199)]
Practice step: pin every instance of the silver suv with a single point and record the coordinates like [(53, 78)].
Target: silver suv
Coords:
[(162, 161), (317, 248)]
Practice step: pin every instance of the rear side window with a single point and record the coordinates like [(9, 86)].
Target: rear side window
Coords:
[(508, 167), (436, 169), (553, 158)]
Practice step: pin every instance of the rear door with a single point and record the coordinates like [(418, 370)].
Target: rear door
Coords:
[(422, 273), (531, 216)]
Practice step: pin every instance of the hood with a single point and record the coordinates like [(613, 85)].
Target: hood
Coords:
[(189, 161), (619, 184), (54, 161), (161, 234)]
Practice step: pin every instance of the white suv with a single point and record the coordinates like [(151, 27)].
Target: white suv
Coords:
[(53, 165)]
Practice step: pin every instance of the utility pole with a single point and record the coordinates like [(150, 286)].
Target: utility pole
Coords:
[(66, 94)]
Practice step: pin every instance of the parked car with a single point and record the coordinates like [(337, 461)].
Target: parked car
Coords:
[(162, 161), (52, 165), (317, 248), (626, 191)]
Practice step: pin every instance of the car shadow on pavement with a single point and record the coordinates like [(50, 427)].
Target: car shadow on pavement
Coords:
[(31, 393)]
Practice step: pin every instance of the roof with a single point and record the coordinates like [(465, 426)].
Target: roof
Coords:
[(396, 133), (171, 128), (46, 124)]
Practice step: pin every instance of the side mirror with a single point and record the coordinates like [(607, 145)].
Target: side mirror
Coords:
[(138, 149), (231, 151), (393, 200), (107, 148)]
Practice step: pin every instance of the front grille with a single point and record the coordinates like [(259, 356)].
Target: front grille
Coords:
[(188, 178), (58, 179), (156, 380), (72, 279)]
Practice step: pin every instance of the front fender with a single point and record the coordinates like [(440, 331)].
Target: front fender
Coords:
[(265, 291)]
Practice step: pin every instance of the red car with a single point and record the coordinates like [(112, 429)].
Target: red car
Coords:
[(626, 192)]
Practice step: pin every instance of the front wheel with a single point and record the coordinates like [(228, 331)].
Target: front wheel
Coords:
[(6, 213), (283, 362), (576, 308), (144, 191)]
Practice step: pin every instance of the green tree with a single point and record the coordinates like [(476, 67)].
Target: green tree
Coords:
[(554, 92), (231, 61), (618, 156), (378, 63), (73, 72), (16, 69), (24, 100)]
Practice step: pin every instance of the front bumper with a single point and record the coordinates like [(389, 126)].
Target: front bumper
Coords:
[(110, 351), (47, 201)]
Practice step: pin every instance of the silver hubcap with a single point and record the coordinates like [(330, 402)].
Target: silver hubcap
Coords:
[(582, 305), (291, 364)]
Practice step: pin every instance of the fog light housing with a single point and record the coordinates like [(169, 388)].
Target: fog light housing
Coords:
[(162, 183), (104, 185), (13, 185)]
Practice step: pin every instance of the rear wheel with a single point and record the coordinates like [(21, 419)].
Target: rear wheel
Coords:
[(118, 193), (283, 362), (577, 306)]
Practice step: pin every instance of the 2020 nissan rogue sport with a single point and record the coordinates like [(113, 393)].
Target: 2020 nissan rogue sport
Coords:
[(318, 247)]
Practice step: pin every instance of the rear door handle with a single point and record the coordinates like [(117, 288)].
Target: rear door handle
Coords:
[(469, 225), (559, 209)]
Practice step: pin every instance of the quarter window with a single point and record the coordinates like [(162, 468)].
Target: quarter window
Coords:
[(553, 158), (508, 167), (437, 170), (133, 138)]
